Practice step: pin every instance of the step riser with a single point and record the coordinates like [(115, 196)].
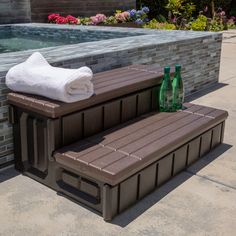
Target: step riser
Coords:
[(136, 187)]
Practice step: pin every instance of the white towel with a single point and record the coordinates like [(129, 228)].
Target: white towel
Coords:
[(37, 76)]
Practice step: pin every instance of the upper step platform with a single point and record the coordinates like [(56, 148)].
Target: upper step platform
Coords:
[(108, 85)]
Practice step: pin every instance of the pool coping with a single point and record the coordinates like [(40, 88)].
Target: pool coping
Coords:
[(58, 54)]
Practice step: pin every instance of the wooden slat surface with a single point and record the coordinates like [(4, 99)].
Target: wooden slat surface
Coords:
[(113, 155), (107, 85), (146, 138)]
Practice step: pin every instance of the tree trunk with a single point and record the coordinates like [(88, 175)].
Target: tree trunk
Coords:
[(212, 8)]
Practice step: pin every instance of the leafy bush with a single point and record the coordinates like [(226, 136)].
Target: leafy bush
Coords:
[(180, 12), (231, 23), (215, 25), (85, 21), (154, 24), (111, 20), (199, 24), (218, 22)]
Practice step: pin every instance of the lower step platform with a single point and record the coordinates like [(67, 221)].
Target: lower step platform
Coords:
[(116, 168)]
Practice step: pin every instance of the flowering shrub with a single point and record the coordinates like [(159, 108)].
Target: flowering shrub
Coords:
[(53, 17), (99, 18), (61, 20), (122, 17), (58, 19), (180, 12), (199, 24), (140, 16), (231, 22), (180, 17), (72, 20)]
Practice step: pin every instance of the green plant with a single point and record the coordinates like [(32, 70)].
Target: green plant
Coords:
[(154, 24), (111, 20), (180, 12), (85, 21), (231, 26), (199, 24), (216, 25), (161, 18), (174, 7), (231, 23)]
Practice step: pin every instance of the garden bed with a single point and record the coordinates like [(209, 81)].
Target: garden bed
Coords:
[(180, 17)]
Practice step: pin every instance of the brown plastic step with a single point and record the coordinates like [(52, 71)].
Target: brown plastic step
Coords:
[(116, 154), (108, 85)]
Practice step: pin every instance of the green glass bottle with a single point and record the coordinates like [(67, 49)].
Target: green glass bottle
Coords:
[(165, 95), (178, 89)]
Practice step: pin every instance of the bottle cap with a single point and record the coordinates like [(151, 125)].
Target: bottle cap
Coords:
[(178, 67), (167, 69)]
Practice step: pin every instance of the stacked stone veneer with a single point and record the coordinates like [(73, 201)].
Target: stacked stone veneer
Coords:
[(197, 52)]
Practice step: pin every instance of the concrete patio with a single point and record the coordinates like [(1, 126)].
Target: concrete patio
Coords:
[(199, 201)]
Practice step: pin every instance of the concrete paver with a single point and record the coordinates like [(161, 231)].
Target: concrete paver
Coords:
[(199, 201), (223, 168), (187, 205)]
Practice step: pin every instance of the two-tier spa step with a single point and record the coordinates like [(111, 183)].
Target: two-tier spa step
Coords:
[(110, 150)]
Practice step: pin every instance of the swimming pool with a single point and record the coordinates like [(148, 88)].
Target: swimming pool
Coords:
[(14, 38)]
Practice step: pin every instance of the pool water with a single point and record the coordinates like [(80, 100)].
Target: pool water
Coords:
[(15, 44), (15, 39)]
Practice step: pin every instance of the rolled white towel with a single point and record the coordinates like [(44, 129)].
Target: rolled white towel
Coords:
[(37, 76)]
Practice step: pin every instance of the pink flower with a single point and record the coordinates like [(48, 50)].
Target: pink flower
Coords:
[(174, 20), (233, 18), (61, 20), (72, 20), (126, 14), (222, 13), (122, 17), (94, 20), (205, 9), (53, 17), (99, 18)]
